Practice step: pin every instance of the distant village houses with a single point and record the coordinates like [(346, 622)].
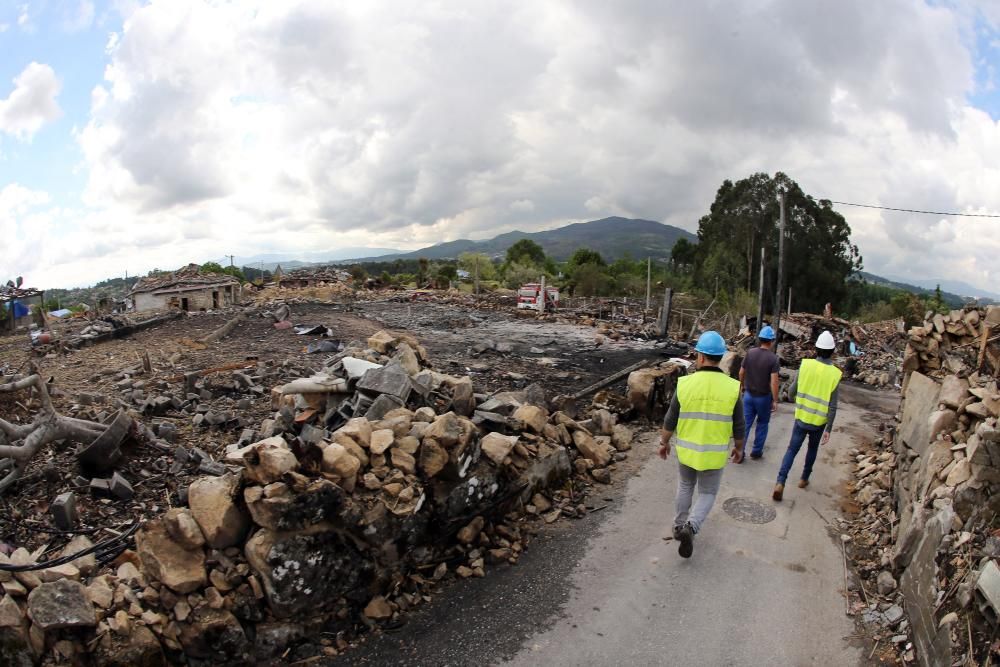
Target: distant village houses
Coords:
[(189, 289)]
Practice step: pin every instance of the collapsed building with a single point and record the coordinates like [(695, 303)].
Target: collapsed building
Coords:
[(15, 306), (187, 289)]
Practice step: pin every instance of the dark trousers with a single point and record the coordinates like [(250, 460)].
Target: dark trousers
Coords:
[(756, 408), (799, 434)]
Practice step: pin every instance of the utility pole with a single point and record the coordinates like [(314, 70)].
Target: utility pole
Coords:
[(781, 267), (231, 258), (760, 292), (648, 274)]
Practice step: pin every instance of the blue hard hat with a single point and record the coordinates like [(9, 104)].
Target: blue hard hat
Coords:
[(711, 343), (767, 333)]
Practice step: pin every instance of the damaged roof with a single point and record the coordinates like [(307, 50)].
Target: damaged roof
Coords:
[(8, 293), (191, 276)]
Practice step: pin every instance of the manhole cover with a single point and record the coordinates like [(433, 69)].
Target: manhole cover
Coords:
[(749, 511)]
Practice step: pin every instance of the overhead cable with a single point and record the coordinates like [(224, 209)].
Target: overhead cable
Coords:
[(913, 210)]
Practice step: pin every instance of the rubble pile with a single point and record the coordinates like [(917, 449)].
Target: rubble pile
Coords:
[(880, 346), (928, 535), (372, 479), (320, 293)]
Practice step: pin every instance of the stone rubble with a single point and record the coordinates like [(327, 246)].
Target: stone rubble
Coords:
[(372, 479), (928, 498)]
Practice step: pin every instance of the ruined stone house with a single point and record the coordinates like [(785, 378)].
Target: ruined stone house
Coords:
[(15, 306), (188, 289)]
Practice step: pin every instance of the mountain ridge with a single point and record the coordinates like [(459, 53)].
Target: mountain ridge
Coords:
[(616, 236)]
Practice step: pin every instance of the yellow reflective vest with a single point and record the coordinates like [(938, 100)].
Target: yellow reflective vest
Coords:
[(705, 422), (814, 389)]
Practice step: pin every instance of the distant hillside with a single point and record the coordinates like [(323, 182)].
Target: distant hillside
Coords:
[(295, 260), (959, 287), (952, 299), (612, 237)]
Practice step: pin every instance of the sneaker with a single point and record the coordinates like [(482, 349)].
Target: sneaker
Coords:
[(779, 491), (685, 535), (677, 532), (756, 456), (803, 483)]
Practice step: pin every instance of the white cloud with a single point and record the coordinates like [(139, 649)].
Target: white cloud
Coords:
[(79, 17), (32, 103), (24, 21), (307, 125), (24, 225)]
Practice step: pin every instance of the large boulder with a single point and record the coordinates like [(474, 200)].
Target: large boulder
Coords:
[(213, 505), (463, 401), (267, 461), (183, 528), (532, 416), (167, 561), (446, 430), (497, 447), (216, 635), (61, 604), (954, 391), (278, 507), (591, 449), (306, 573), (15, 649), (141, 649), (433, 457)]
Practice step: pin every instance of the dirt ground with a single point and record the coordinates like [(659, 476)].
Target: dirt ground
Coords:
[(561, 357)]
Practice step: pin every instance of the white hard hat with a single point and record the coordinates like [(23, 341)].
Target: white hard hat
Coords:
[(825, 341)]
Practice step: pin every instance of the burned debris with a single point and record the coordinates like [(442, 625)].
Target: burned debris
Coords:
[(357, 478)]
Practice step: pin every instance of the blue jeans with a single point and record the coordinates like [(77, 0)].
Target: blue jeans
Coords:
[(756, 408), (799, 433)]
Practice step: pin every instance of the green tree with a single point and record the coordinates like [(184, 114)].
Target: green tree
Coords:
[(469, 261), (212, 267), (358, 273), (590, 280), (819, 255), (526, 252), (446, 273), (423, 268), (683, 255), (586, 256)]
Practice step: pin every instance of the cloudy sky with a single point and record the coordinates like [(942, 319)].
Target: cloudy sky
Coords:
[(138, 135)]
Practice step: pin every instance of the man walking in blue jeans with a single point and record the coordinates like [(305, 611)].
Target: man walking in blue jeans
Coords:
[(815, 394), (759, 382)]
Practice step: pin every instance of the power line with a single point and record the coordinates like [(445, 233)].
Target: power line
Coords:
[(913, 210)]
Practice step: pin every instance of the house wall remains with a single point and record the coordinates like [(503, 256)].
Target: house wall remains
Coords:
[(201, 299)]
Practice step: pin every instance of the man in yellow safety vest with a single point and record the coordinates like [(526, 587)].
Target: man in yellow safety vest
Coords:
[(705, 414), (815, 394)]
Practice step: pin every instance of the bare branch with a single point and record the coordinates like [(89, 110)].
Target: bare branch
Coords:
[(15, 431), (38, 383)]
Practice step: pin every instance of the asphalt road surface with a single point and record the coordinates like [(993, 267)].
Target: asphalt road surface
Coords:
[(609, 590)]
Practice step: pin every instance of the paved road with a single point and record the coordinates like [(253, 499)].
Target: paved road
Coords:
[(612, 591)]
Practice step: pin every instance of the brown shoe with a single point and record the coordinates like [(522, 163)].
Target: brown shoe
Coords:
[(779, 491), (803, 483)]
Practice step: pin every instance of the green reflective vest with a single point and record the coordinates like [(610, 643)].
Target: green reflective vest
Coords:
[(705, 423), (815, 387)]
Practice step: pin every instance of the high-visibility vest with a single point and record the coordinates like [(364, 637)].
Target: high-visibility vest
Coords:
[(705, 423), (815, 386)]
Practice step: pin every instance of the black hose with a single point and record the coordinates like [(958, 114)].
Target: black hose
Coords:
[(103, 548)]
